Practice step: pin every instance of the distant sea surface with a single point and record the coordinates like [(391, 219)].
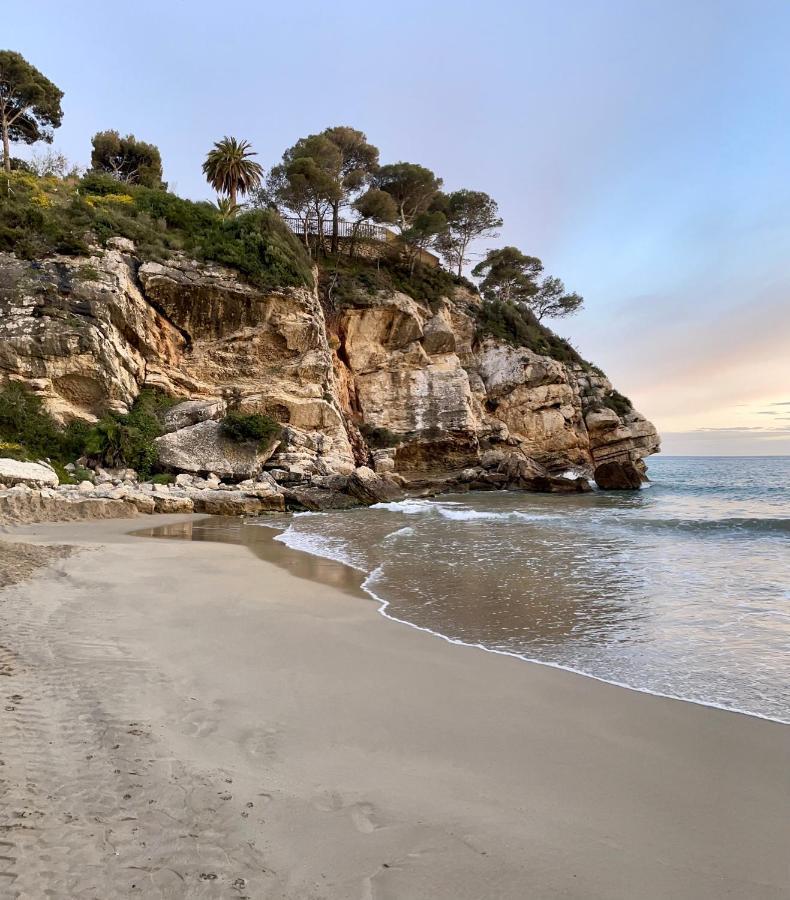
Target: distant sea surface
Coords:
[(680, 589)]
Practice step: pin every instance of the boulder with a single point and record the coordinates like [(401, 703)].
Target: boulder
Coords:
[(369, 488), (32, 474), (205, 448), (236, 503), (438, 335), (171, 504), (316, 498), (618, 476), (35, 506), (191, 412)]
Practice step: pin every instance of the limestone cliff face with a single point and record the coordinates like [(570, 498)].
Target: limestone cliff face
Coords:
[(88, 333)]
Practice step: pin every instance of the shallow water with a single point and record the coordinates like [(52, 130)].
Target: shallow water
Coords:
[(680, 589)]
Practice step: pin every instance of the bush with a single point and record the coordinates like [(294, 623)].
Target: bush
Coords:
[(618, 402), (29, 432), (518, 326), (245, 429), (162, 478), (41, 216), (128, 440), (350, 280), (25, 422)]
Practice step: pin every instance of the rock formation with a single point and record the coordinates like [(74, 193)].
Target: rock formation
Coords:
[(385, 381)]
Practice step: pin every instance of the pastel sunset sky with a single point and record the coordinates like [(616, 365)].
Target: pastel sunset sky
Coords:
[(641, 149)]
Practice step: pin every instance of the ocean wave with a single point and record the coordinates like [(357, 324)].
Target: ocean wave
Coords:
[(400, 532), (407, 507), (459, 512), (714, 526), (324, 546)]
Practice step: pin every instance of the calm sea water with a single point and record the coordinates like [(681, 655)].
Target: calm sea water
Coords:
[(681, 589)]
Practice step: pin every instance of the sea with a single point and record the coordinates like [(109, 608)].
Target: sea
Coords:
[(681, 589)]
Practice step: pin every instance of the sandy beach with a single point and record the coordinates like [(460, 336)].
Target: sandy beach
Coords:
[(184, 719)]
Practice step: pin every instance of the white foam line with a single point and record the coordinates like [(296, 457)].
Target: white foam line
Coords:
[(383, 606)]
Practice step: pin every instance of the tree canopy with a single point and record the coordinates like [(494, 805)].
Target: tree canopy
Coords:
[(357, 160), (470, 215), (552, 300), (322, 173), (29, 104), (412, 187), (510, 276), (230, 170), (127, 159)]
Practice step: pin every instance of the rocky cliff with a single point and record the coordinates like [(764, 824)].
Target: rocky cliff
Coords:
[(384, 380)]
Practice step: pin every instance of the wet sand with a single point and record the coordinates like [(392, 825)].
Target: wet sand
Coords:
[(183, 719)]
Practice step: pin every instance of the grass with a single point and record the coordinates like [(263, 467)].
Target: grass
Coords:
[(42, 216)]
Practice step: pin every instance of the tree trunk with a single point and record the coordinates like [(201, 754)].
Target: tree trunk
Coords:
[(335, 226), (232, 195), (6, 148), (353, 243)]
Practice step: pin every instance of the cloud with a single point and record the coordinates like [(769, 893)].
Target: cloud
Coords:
[(766, 412), (735, 429), (781, 403)]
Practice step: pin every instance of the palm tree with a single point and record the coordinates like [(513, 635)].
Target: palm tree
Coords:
[(229, 169), (227, 208)]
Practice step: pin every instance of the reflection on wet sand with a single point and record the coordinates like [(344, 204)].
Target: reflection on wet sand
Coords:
[(260, 541)]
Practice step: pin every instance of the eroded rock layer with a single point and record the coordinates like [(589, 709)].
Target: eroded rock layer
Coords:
[(403, 386)]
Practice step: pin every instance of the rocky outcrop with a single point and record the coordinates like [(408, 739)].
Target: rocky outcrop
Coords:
[(401, 387), (203, 448), (618, 476), (31, 474)]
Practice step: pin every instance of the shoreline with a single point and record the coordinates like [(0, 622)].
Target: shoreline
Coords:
[(394, 767), (382, 606)]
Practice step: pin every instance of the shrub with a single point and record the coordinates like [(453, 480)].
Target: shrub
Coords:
[(620, 404), (128, 440), (162, 478), (518, 326), (24, 421), (41, 216), (248, 428), (350, 280)]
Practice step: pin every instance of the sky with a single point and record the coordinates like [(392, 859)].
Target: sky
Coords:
[(641, 149)]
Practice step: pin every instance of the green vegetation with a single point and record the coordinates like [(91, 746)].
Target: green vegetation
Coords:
[(513, 323), (126, 159), (345, 281), (247, 428), (162, 478), (29, 104), (128, 440), (619, 403), (509, 276), (40, 216), (25, 424), (230, 170), (470, 215), (28, 432)]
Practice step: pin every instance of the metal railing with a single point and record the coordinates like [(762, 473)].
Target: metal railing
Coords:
[(363, 231)]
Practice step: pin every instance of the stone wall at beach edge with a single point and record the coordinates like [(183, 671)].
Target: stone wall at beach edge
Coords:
[(385, 382)]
